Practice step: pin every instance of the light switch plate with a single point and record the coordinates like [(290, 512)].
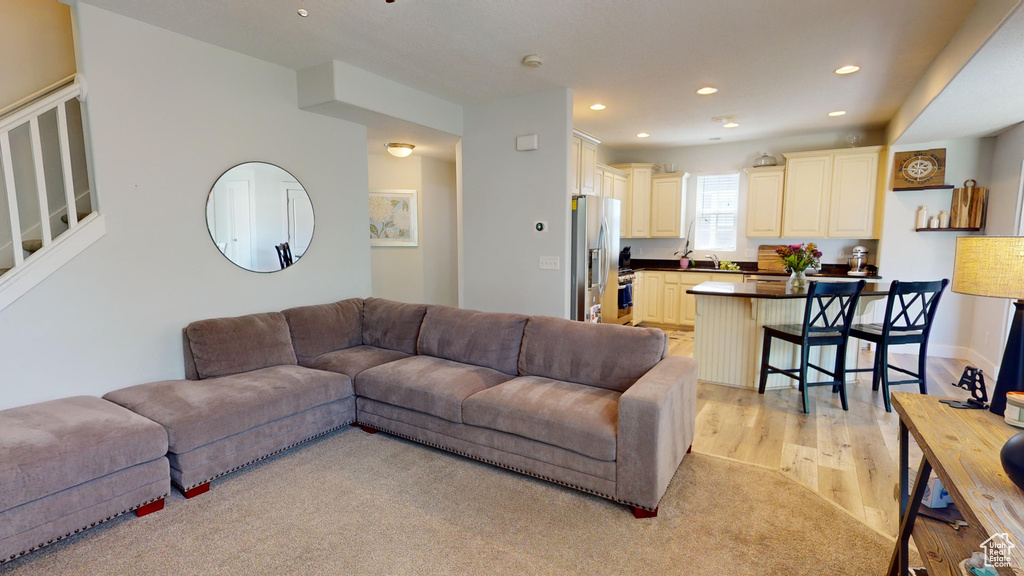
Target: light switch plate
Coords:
[(526, 143), (549, 262)]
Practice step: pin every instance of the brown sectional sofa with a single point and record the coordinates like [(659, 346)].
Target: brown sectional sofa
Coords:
[(599, 408)]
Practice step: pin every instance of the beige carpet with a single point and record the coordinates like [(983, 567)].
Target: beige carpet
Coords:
[(354, 503)]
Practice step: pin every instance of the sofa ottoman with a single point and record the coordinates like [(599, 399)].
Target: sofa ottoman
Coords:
[(245, 399), (70, 464)]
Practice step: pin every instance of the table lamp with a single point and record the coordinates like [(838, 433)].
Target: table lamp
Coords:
[(993, 266)]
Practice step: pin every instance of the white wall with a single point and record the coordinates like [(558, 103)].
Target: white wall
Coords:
[(426, 273), (167, 115), (731, 157), (909, 255), (991, 315), (504, 192), (35, 40)]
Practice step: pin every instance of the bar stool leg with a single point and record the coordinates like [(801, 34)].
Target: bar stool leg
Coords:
[(922, 363), (884, 376), (876, 373), (766, 350), (840, 371), (804, 388)]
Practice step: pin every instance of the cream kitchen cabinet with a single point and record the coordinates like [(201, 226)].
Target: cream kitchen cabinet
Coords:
[(614, 183), (637, 211), (831, 193), (668, 205), (584, 164), (659, 297), (764, 201)]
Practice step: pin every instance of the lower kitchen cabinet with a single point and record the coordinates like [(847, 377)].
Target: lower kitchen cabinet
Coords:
[(661, 298)]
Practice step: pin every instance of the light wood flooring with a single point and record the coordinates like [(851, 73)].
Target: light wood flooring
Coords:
[(848, 457)]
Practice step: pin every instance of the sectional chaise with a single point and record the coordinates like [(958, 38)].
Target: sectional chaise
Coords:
[(599, 408)]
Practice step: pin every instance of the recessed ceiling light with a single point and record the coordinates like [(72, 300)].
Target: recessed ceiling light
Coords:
[(715, 138), (707, 90), (598, 107), (730, 125), (837, 113), (643, 135), (850, 69)]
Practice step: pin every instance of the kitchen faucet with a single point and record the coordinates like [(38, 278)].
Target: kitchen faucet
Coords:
[(714, 260)]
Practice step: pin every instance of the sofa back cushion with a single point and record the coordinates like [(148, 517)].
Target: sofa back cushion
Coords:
[(317, 330), (603, 355), (223, 346), (484, 339), (392, 325)]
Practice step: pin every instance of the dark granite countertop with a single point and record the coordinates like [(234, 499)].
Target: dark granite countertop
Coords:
[(772, 290), (704, 267)]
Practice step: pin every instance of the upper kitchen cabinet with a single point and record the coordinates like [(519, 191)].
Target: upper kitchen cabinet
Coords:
[(764, 201), (613, 184), (855, 181), (831, 193), (584, 164), (637, 207), (668, 204)]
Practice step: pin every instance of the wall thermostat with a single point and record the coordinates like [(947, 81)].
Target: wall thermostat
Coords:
[(540, 226)]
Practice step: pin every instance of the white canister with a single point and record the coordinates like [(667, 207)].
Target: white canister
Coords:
[(933, 222), (943, 219), (922, 217), (1014, 414)]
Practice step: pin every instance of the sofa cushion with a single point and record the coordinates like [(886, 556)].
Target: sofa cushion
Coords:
[(196, 413), (317, 330), (576, 417), (352, 361), (471, 337), (392, 325), (604, 355), (56, 445), (222, 346), (426, 384)]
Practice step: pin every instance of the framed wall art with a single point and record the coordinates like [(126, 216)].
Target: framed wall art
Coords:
[(919, 169), (393, 218)]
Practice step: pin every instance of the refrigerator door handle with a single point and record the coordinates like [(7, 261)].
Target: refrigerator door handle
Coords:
[(604, 265)]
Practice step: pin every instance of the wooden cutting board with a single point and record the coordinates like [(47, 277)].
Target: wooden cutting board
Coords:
[(767, 259)]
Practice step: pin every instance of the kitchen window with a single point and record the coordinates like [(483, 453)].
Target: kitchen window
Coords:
[(717, 200)]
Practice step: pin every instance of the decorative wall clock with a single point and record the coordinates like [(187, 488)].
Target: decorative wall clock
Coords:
[(920, 169)]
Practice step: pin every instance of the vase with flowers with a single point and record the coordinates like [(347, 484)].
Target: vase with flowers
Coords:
[(685, 251), (797, 258)]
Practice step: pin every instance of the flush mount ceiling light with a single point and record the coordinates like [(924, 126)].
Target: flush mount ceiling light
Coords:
[(532, 61), (837, 113), (643, 135), (707, 90), (727, 121), (302, 10), (849, 69), (399, 150), (598, 107)]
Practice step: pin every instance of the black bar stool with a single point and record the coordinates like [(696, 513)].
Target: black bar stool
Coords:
[(827, 320), (909, 312)]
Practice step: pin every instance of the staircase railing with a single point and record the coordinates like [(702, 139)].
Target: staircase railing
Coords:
[(28, 111), (50, 251)]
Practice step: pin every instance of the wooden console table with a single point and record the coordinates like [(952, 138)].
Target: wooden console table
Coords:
[(962, 446)]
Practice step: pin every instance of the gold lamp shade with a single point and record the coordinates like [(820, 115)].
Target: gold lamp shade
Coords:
[(989, 266)]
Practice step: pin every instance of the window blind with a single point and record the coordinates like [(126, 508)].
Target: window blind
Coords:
[(717, 201)]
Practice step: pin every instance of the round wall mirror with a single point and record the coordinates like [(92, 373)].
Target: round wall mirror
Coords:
[(260, 217)]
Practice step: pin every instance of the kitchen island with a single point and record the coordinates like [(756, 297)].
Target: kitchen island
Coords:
[(728, 332)]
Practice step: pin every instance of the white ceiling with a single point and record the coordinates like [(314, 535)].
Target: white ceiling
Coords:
[(771, 59), (985, 97)]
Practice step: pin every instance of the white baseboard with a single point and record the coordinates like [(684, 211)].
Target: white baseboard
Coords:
[(42, 264), (988, 366)]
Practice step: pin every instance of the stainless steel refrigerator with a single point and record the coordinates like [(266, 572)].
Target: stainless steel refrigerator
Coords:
[(594, 279)]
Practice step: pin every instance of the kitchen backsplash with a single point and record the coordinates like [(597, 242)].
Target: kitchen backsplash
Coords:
[(834, 251)]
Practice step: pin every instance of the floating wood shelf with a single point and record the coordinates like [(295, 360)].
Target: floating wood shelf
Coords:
[(912, 189), (948, 229)]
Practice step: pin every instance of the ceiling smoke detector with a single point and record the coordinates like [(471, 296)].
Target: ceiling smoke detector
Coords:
[(533, 60)]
